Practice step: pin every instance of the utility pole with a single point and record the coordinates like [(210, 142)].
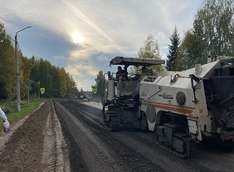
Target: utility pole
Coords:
[(17, 70)]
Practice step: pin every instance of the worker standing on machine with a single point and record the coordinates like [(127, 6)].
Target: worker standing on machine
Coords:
[(121, 74)]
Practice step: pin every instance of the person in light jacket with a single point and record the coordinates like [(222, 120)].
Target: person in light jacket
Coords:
[(6, 124)]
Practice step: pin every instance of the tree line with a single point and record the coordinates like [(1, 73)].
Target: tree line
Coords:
[(212, 35), (37, 72)]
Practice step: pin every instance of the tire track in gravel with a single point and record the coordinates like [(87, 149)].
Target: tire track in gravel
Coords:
[(54, 157), (135, 161), (132, 146), (206, 159), (76, 161), (89, 151), (127, 158), (155, 154)]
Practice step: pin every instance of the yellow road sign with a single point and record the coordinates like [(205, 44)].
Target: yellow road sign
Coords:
[(42, 90)]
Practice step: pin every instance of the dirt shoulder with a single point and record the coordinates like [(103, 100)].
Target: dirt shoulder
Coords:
[(34, 144)]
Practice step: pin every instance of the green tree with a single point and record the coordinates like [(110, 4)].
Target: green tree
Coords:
[(173, 49), (63, 77), (25, 72), (56, 81), (212, 34), (100, 83), (214, 23), (74, 90), (151, 51), (45, 68), (7, 66), (190, 52), (35, 76)]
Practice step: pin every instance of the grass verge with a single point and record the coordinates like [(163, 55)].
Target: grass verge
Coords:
[(15, 116)]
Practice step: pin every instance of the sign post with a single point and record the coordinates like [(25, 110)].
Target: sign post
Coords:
[(38, 89)]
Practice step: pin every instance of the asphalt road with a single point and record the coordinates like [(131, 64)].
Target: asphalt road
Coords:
[(68, 135), (94, 148)]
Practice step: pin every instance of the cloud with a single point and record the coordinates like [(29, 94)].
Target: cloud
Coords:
[(161, 36), (84, 74), (86, 19), (109, 28), (102, 58)]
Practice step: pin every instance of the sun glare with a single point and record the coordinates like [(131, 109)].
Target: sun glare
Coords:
[(77, 38)]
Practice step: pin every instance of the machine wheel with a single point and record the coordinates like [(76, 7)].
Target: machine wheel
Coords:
[(108, 125), (186, 151), (111, 120), (189, 147)]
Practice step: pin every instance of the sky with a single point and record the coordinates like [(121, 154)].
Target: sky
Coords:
[(82, 36)]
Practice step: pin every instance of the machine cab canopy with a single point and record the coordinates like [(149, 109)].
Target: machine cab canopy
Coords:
[(129, 61)]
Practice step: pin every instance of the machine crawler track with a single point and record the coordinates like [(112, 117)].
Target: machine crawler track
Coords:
[(111, 120), (186, 152)]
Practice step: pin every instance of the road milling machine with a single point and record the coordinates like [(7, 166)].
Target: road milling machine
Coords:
[(182, 108), (121, 102)]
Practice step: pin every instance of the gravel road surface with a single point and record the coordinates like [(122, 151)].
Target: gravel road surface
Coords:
[(68, 135)]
